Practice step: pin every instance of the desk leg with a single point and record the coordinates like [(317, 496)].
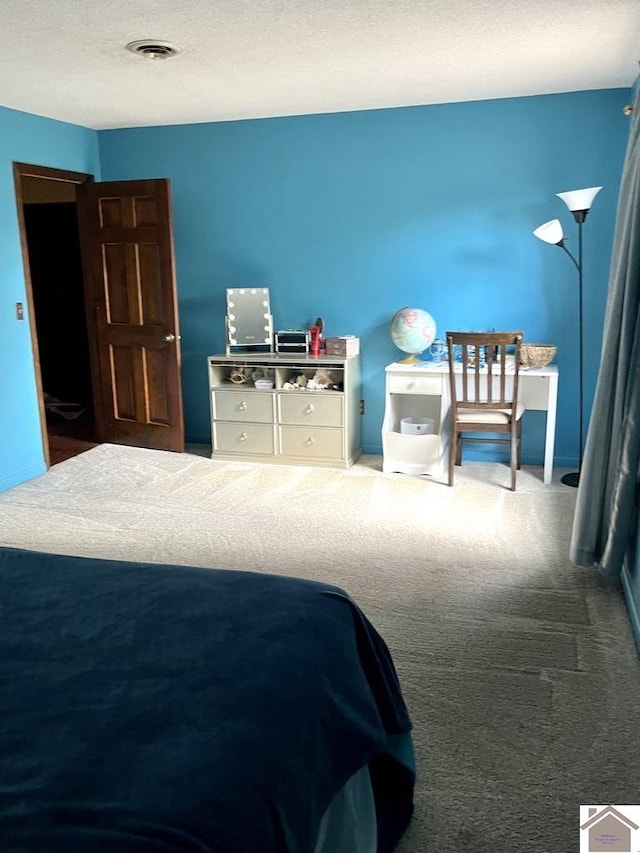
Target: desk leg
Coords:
[(550, 435)]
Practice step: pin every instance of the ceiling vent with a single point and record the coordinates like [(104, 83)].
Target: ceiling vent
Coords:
[(153, 49)]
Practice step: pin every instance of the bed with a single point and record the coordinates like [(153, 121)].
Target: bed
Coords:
[(150, 707)]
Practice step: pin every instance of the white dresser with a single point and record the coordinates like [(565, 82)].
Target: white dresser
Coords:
[(285, 424)]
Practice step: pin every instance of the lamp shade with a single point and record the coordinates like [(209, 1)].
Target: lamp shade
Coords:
[(579, 199), (550, 232)]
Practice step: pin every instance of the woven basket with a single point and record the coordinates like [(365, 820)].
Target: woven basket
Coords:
[(537, 355)]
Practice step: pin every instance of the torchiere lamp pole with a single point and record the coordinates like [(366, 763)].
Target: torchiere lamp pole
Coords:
[(579, 203)]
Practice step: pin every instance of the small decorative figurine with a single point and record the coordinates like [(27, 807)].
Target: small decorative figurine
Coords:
[(237, 376)]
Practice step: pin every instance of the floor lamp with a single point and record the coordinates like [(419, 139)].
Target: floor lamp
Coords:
[(579, 203)]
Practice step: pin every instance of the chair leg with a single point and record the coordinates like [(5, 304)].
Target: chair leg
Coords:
[(514, 458), (452, 454), (459, 451)]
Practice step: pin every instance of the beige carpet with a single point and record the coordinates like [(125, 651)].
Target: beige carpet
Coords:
[(519, 670)]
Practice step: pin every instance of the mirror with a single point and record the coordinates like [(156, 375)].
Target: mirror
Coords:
[(249, 321)]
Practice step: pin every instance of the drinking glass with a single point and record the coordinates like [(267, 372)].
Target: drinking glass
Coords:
[(437, 350)]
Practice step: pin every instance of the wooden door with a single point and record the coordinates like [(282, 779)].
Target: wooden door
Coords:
[(132, 315)]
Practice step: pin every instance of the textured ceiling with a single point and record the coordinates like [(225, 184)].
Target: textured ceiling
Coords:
[(251, 58)]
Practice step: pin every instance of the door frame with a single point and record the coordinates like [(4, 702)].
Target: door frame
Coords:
[(26, 170)]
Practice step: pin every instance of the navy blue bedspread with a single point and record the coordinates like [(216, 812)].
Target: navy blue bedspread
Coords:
[(161, 708)]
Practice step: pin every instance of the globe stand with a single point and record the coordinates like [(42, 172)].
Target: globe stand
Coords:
[(410, 359)]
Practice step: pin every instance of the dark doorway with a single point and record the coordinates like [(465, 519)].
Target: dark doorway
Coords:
[(53, 245), (58, 297)]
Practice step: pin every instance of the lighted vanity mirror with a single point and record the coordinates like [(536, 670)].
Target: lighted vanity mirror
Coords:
[(249, 321)]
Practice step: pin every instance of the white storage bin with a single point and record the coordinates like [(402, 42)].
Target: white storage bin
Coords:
[(417, 426)]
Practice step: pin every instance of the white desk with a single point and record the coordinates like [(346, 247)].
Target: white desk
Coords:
[(423, 390)]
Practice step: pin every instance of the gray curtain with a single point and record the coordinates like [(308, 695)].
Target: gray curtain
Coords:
[(605, 513)]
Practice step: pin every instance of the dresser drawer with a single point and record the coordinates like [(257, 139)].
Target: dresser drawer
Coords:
[(311, 443), (253, 406), (243, 438), (311, 409), (415, 384)]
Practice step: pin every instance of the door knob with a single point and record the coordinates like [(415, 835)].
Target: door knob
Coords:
[(169, 338)]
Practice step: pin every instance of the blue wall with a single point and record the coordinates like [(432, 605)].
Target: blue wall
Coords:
[(354, 215), (37, 141)]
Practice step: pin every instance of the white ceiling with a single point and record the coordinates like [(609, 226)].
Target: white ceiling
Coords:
[(252, 58)]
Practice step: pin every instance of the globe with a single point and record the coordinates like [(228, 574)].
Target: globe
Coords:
[(412, 330)]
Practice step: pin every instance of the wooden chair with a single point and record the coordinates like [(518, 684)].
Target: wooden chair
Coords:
[(479, 405)]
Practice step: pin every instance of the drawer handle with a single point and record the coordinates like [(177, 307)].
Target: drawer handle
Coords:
[(410, 385), (309, 409), (243, 436), (242, 406), (309, 441)]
